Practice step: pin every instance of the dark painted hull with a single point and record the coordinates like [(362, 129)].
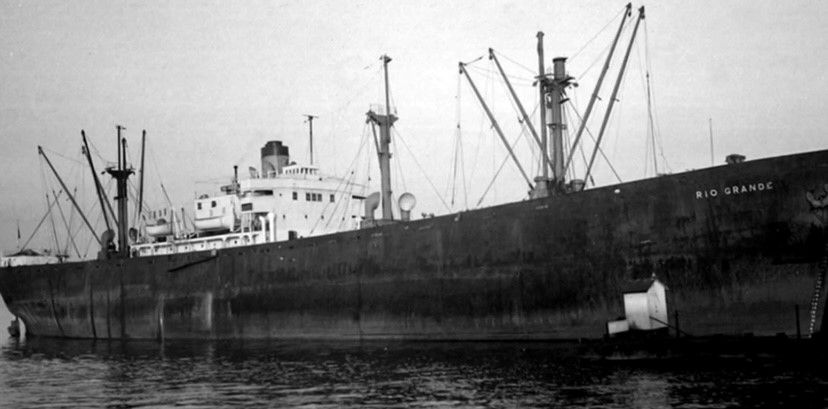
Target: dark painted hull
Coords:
[(538, 269)]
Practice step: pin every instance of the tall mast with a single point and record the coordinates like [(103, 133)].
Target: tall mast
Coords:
[(542, 108), (141, 183), (121, 175), (385, 121), (614, 93), (310, 131)]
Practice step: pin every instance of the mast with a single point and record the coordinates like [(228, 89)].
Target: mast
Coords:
[(121, 175), (310, 131), (614, 92), (594, 96), (542, 108), (141, 179), (385, 121)]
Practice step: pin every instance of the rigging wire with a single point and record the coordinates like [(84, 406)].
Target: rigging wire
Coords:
[(40, 223), (657, 128), (399, 166), (451, 186), (160, 180), (601, 151), (624, 10), (81, 227), (77, 162), (459, 153), (505, 57), (430, 182), (492, 133), (44, 187), (494, 178), (96, 151), (91, 238), (523, 81), (599, 57), (524, 128), (648, 137), (68, 229), (54, 230), (347, 181), (583, 157)]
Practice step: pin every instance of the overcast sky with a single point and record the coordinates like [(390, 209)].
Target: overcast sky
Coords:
[(211, 82)]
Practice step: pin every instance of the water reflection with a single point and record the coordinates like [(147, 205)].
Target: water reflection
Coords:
[(55, 373)]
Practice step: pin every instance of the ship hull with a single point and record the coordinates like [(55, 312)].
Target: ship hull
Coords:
[(738, 246)]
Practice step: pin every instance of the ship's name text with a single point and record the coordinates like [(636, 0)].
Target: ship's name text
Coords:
[(735, 190)]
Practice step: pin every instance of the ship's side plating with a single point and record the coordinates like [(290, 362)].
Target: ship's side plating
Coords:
[(737, 246)]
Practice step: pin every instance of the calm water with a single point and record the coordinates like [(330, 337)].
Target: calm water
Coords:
[(58, 373)]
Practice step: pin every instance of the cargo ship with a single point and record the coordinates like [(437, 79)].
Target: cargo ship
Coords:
[(733, 249)]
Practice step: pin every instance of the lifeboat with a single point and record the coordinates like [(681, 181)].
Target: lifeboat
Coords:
[(160, 228)]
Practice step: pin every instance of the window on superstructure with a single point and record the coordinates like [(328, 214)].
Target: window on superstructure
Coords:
[(213, 203), (307, 197), (295, 196), (332, 198), (198, 205)]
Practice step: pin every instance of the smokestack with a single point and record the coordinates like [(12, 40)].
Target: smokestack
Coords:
[(275, 156)]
